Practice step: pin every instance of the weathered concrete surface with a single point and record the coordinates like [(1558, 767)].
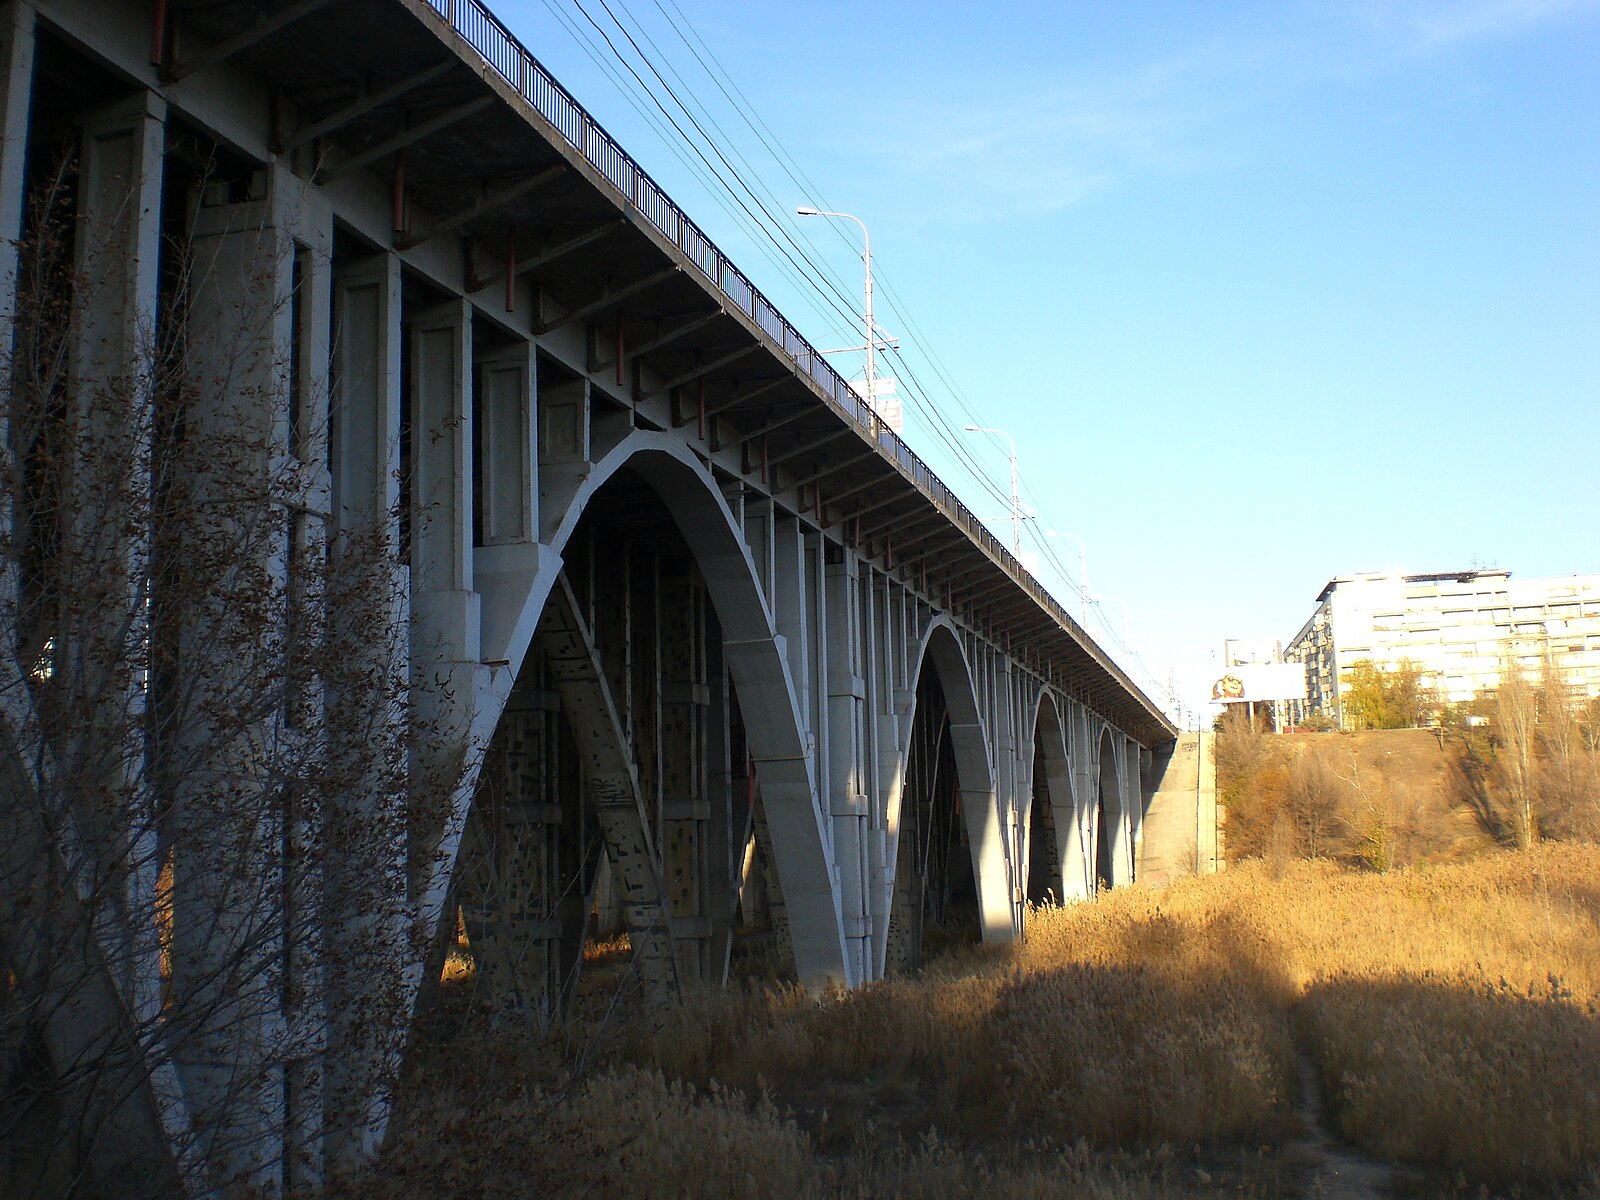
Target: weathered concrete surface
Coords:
[(1180, 832)]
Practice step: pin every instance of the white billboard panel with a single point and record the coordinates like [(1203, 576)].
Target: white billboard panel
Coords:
[(1261, 681)]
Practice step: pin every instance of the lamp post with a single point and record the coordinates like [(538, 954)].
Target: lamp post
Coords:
[(1016, 507), (872, 330)]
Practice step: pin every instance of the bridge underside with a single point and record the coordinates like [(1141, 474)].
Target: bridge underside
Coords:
[(412, 522)]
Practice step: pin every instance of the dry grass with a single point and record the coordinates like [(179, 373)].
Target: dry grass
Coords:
[(1451, 1013)]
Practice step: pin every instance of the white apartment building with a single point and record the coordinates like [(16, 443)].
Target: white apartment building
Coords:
[(1458, 626)]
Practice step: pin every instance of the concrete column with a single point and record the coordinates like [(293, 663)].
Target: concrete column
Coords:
[(758, 533), (882, 755), (1079, 852), (1113, 785), (102, 625), (367, 912), (97, 784), (1009, 778), (234, 928), (846, 783), (452, 690), (563, 440), (1131, 805), (504, 427), (307, 484), (441, 469), (815, 614), (507, 559)]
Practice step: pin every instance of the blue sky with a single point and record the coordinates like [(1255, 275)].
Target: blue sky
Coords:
[(1266, 292)]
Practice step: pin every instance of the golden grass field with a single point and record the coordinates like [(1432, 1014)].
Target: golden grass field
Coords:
[(1143, 1045)]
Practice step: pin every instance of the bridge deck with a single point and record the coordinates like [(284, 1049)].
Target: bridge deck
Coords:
[(480, 140)]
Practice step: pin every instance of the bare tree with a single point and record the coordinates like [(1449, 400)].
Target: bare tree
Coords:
[(1317, 799), (1569, 773), (181, 724), (1516, 717)]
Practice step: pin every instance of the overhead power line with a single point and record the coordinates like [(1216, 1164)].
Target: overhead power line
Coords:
[(671, 104)]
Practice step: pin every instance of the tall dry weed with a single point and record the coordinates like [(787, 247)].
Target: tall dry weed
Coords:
[(1494, 1082), (493, 1122), (1424, 997), (1129, 1056)]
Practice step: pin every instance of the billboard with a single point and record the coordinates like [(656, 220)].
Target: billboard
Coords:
[(1261, 681)]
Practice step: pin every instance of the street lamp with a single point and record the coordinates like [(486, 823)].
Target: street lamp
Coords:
[(1016, 507), (872, 330)]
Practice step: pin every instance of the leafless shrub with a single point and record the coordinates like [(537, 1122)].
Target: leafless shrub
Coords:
[(188, 744)]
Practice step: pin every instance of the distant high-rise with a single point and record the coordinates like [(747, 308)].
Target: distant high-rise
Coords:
[(1457, 626)]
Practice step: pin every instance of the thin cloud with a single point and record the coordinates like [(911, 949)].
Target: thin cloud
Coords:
[(1017, 146), (1035, 147), (1435, 25)]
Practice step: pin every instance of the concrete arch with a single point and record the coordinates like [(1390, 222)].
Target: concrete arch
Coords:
[(773, 728), (1113, 859), (1050, 753), (941, 647)]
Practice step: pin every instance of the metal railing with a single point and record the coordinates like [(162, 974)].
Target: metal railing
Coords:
[(500, 49)]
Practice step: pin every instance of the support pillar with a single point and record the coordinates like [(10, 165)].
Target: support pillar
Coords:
[(453, 693), (847, 797), (367, 908), (1085, 791), (237, 916)]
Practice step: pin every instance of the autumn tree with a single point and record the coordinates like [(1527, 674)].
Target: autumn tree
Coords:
[(1375, 697), (1516, 720), (1569, 743)]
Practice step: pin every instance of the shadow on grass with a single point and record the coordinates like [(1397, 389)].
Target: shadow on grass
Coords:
[(1498, 1085)]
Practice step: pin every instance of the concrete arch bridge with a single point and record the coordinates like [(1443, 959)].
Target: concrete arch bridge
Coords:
[(584, 575)]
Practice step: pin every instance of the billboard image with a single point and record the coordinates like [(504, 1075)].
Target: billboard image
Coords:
[(1260, 681)]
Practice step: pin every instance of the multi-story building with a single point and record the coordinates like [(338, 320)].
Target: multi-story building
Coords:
[(1459, 627)]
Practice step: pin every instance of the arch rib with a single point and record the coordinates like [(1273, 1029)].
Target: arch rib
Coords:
[(754, 653)]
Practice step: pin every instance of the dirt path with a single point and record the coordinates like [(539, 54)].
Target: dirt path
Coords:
[(1334, 1170)]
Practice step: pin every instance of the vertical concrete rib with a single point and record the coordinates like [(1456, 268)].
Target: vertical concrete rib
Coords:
[(847, 797), (455, 696), (366, 905), (231, 885)]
